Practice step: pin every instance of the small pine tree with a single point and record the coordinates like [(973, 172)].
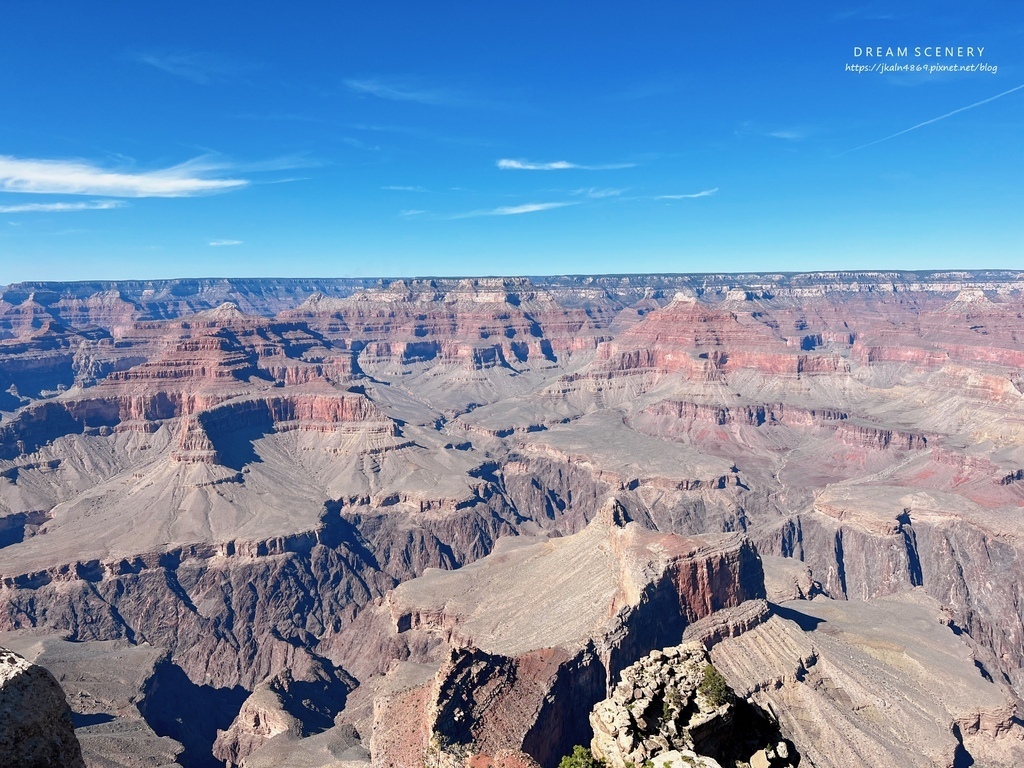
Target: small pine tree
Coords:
[(581, 758), (714, 687), (671, 704)]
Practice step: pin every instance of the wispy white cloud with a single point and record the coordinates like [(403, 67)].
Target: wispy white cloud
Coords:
[(596, 193), (933, 120), (704, 193), (411, 89), (210, 162), (78, 177), (401, 91), (358, 144), (411, 212), (286, 180), (199, 67), (512, 210), (558, 165), (290, 117), (92, 205), (788, 133), (398, 188), (217, 243)]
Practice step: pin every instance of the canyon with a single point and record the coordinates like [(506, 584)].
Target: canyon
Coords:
[(429, 521)]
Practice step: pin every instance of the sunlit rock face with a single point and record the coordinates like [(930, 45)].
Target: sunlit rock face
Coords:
[(35, 720), (232, 471)]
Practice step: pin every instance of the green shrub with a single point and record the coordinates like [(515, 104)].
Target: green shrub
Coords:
[(714, 687), (581, 758), (671, 705), (442, 751)]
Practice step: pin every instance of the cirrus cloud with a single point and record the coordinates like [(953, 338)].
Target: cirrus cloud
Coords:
[(507, 164), (596, 193), (704, 193), (92, 205), (396, 91), (79, 177), (511, 210), (198, 66)]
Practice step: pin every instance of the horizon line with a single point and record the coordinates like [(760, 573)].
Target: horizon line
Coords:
[(522, 276)]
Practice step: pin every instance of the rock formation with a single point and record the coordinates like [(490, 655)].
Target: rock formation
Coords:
[(882, 683), (35, 721), (296, 702), (673, 708)]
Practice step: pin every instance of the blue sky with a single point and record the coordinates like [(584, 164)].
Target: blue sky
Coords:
[(398, 138)]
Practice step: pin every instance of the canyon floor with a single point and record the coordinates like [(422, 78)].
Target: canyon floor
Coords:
[(403, 522)]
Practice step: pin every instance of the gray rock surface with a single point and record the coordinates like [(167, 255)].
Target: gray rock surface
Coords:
[(105, 683), (672, 709), (35, 720), (883, 683), (511, 652)]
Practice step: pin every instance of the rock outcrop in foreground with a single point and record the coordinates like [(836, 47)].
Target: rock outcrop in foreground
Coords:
[(673, 708), (35, 720)]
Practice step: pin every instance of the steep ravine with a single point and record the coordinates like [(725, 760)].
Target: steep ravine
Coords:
[(518, 646), (234, 613)]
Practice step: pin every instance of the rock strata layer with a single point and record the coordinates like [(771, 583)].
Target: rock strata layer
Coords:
[(882, 683)]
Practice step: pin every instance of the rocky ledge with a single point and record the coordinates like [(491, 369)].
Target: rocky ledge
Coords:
[(35, 720), (673, 708)]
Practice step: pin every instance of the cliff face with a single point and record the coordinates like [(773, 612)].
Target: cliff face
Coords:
[(233, 470), (35, 721), (238, 612), (870, 543), (526, 640), (126, 699), (881, 683)]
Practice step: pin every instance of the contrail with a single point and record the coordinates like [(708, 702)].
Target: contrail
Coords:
[(933, 120)]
